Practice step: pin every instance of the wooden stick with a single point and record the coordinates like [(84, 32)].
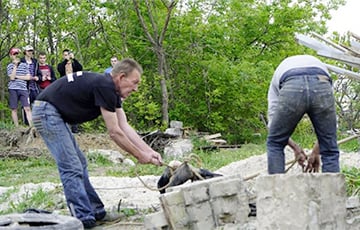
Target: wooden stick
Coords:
[(348, 138)]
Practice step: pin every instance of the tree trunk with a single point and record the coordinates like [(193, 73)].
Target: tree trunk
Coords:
[(164, 91), (156, 39), (49, 33)]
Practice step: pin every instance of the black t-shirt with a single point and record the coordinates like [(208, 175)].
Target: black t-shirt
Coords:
[(79, 96)]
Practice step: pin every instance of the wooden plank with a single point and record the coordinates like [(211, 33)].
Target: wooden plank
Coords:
[(347, 59), (218, 141), (348, 73), (212, 136), (213, 147)]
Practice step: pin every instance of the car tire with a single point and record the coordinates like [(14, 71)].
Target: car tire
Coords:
[(39, 221)]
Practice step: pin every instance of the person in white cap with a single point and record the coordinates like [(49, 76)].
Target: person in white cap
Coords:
[(35, 72)]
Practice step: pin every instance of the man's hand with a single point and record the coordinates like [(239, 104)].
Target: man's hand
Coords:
[(300, 156), (313, 163), (150, 158), (299, 153)]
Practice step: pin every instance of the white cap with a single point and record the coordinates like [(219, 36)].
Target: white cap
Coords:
[(28, 47)]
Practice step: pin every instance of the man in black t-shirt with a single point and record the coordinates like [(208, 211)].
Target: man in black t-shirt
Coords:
[(81, 97)]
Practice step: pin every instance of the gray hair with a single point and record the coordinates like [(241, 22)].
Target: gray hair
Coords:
[(126, 66)]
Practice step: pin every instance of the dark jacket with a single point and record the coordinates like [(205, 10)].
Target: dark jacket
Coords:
[(36, 64), (37, 71), (52, 73), (76, 66)]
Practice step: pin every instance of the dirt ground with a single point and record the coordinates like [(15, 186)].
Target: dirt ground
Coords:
[(27, 142)]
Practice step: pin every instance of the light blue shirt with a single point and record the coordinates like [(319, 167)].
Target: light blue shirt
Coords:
[(298, 61), (108, 70)]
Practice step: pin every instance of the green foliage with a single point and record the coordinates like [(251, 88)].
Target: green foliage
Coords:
[(138, 170), (220, 55), (8, 125), (352, 176), (216, 159), (98, 159), (349, 146), (305, 133), (95, 126), (129, 211), (143, 112)]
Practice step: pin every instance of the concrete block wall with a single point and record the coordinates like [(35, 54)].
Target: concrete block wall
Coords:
[(301, 201), (203, 204), (297, 201)]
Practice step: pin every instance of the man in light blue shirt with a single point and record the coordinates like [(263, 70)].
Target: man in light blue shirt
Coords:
[(113, 61), (302, 85)]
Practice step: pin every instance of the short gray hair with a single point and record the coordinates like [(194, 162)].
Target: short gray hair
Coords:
[(126, 66)]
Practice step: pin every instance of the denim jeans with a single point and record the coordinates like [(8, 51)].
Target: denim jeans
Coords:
[(81, 198), (311, 94)]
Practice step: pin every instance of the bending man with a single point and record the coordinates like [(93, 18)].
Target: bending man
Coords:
[(79, 97), (301, 84)]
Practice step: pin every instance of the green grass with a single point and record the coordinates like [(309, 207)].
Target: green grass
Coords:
[(352, 177), (32, 170), (350, 146), (40, 199), (97, 159)]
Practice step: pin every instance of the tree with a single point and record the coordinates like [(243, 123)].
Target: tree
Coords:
[(156, 37), (207, 63)]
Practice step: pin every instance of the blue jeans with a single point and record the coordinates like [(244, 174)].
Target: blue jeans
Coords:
[(311, 94), (81, 198)]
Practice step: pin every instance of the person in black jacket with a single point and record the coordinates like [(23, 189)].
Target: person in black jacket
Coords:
[(35, 72), (68, 66)]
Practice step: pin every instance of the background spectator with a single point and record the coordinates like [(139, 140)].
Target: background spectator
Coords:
[(67, 66), (113, 61), (19, 75), (48, 74)]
